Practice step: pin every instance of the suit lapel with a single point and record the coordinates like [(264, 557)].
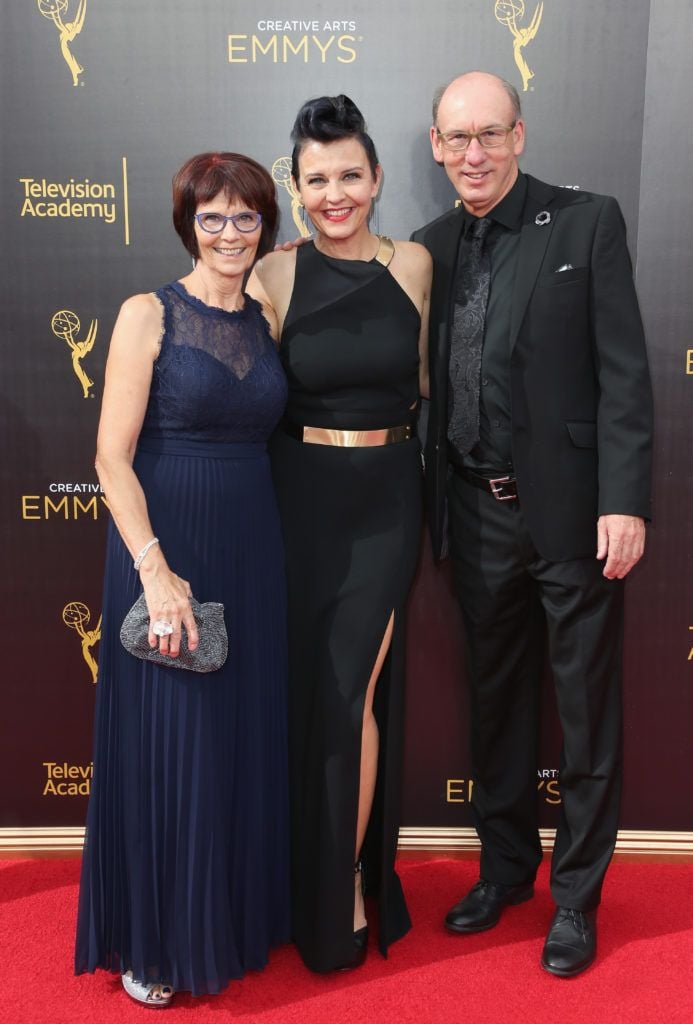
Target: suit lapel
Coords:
[(445, 276), (538, 222), (446, 259)]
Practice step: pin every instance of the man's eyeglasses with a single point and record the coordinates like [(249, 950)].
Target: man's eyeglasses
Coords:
[(489, 138), (213, 223)]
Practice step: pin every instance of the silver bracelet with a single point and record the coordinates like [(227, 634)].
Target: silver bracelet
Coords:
[(140, 558)]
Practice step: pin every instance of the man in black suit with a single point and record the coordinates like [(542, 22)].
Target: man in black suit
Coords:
[(538, 454)]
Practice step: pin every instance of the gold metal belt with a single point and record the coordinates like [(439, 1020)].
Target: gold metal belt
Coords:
[(349, 438)]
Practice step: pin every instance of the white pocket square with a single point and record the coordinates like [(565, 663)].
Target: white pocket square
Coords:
[(566, 266)]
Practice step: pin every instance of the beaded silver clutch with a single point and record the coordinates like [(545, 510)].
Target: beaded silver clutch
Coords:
[(211, 651)]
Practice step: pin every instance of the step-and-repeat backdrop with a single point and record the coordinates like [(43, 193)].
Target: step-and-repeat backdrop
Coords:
[(101, 103)]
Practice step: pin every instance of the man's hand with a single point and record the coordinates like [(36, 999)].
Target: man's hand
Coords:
[(621, 540)]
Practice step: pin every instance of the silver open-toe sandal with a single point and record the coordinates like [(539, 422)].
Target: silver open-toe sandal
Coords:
[(156, 994)]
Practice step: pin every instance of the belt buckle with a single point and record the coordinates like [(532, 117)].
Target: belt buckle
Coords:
[(497, 488)]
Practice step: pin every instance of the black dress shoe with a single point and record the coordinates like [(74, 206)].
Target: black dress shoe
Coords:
[(571, 944), (483, 905)]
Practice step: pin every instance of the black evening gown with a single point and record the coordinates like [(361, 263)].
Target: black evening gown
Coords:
[(352, 525), (185, 873)]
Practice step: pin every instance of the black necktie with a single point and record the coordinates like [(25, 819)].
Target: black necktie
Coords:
[(469, 318)]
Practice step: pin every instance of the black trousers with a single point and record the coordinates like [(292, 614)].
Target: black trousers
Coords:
[(512, 599)]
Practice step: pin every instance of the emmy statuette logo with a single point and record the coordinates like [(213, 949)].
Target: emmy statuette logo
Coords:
[(76, 616), (281, 175), (508, 12), (57, 12), (65, 325)]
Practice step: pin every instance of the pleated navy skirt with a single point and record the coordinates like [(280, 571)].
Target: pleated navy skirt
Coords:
[(185, 870)]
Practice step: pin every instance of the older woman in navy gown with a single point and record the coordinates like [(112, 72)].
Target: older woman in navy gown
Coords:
[(185, 871)]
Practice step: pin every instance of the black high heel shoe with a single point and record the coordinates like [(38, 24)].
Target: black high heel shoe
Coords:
[(360, 936)]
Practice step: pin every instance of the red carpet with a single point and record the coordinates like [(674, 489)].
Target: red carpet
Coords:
[(644, 974)]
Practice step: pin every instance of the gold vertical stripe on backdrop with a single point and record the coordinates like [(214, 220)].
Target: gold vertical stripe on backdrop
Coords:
[(126, 216)]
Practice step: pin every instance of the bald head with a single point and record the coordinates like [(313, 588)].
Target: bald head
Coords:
[(469, 106), (481, 77)]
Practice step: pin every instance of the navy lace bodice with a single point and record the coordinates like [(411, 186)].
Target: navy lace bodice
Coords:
[(218, 376)]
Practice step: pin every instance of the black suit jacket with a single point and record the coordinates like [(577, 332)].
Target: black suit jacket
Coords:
[(581, 405)]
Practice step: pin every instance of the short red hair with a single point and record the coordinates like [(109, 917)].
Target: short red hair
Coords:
[(204, 176)]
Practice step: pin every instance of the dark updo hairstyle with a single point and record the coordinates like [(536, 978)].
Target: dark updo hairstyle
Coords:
[(204, 176), (327, 119)]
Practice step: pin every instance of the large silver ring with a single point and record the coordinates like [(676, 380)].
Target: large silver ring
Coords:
[(162, 628)]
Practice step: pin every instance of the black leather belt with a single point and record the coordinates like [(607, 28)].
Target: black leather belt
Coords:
[(503, 488)]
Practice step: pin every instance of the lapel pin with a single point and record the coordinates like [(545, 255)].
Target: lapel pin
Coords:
[(542, 218)]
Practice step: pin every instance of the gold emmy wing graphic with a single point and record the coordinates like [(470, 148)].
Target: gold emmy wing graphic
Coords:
[(507, 13), (57, 12), (65, 325), (76, 616), (281, 174)]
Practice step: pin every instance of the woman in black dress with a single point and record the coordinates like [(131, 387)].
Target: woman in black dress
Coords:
[(350, 308)]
